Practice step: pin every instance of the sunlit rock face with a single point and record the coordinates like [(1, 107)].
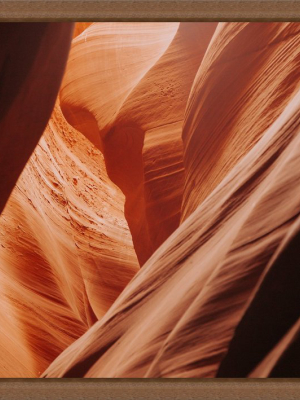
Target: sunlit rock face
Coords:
[(154, 111), (131, 106), (31, 66), (209, 279), (174, 147), (106, 61), (31, 69), (250, 73), (66, 251)]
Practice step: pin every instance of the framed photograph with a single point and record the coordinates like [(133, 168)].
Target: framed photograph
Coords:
[(149, 199)]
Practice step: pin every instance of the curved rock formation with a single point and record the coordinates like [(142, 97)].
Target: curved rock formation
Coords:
[(31, 66), (64, 225), (271, 314), (213, 216), (140, 119), (250, 72), (178, 316), (91, 102), (106, 61), (154, 112)]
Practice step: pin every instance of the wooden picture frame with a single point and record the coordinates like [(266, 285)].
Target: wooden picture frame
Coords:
[(150, 10)]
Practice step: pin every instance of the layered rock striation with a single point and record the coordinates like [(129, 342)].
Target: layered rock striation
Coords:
[(66, 251), (175, 147), (188, 312), (131, 107)]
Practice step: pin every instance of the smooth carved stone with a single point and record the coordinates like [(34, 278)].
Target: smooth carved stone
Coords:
[(191, 304)]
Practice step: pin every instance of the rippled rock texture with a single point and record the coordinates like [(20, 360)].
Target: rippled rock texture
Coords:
[(154, 231)]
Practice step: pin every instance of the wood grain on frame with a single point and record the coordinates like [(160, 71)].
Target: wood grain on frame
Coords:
[(144, 389), (149, 10)]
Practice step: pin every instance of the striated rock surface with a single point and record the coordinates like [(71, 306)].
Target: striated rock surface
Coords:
[(172, 146), (180, 323), (154, 112), (186, 313), (249, 74), (105, 63), (116, 58), (66, 252), (138, 123), (261, 329), (31, 66)]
